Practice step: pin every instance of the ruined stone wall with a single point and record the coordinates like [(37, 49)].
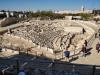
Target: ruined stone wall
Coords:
[(74, 29), (8, 21)]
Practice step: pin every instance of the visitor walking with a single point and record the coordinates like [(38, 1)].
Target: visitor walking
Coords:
[(97, 47), (85, 43), (95, 35), (83, 51), (99, 36), (66, 53), (99, 31)]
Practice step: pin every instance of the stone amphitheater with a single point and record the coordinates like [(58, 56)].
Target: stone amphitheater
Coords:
[(45, 39)]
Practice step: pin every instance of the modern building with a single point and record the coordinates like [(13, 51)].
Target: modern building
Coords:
[(82, 8), (1, 12), (74, 12), (21, 15), (12, 13), (8, 14)]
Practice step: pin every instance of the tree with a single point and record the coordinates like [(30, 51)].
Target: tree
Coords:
[(96, 19), (3, 11), (3, 16), (85, 16), (46, 15)]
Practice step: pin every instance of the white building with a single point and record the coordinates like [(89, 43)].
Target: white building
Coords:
[(12, 13), (82, 8), (8, 14), (21, 15), (68, 17), (1, 12), (73, 12)]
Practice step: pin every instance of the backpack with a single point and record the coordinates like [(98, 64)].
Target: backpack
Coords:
[(97, 46)]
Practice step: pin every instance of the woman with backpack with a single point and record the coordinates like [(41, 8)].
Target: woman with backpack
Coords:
[(97, 47)]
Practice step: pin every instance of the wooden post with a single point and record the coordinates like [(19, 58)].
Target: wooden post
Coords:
[(47, 48), (55, 55), (93, 70), (17, 66), (40, 45), (19, 50), (45, 56), (0, 50), (62, 55), (36, 55), (74, 52), (5, 48), (12, 51), (53, 68), (27, 52)]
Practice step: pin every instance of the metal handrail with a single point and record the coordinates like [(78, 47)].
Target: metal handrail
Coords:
[(54, 66), (48, 62)]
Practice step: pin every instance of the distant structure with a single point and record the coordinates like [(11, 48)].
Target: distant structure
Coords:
[(8, 14), (82, 8), (1, 12), (74, 12), (11, 13), (21, 15)]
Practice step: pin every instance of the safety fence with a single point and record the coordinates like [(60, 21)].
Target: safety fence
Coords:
[(39, 53), (91, 40), (35, 67)]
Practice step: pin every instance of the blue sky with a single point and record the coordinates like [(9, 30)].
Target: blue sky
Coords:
[(55, 5)]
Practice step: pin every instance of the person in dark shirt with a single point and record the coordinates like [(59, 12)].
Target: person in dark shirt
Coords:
[(95, 35), (97, 47), (99, 36), (99, 31), (83, 51), (85, 43)]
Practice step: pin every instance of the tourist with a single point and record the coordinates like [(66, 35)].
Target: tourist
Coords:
[(99, 31), (66, 53), (85, 43), (95, 35), (99, 36), (83, 51), (97, 47), (85, 48), (21, 73)]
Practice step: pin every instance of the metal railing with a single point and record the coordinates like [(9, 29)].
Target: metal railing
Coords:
[(14, 66), (91, 40), (36, 53)]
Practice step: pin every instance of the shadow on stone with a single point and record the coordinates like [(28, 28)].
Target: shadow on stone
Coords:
[(73, 59), (89, 49), (88, 53)]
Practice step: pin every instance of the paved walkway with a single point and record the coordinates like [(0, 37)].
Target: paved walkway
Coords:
[(92, 57)]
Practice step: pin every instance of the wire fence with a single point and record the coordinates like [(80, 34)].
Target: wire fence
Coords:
[(13, 67)]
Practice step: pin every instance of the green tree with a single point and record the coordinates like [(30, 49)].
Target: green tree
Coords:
[(2, 16), (85, 16), (96, 19)]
